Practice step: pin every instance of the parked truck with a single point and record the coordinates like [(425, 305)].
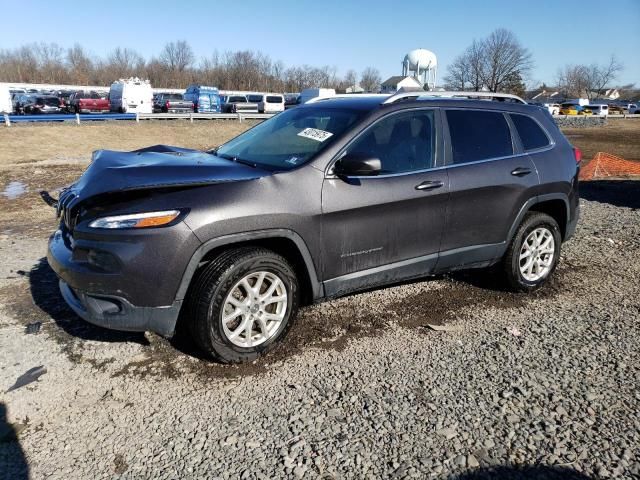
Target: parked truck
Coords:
[(88, 102), (238, 104), (171, 103)]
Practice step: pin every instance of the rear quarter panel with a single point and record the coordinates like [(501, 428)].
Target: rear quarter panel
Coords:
[(557, 168)]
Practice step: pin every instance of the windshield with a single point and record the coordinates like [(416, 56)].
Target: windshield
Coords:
[(290, 138)]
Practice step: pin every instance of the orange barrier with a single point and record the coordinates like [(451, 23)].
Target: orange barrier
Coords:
[(606, 165)]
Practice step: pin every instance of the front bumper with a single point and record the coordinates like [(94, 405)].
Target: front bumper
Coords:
[(118, 314), (135, 287)]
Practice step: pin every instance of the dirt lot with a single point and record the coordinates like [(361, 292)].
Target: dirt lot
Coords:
[(538, 386), (619, 137)]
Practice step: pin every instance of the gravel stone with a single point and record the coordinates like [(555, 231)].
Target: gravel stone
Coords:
[(359, 389)]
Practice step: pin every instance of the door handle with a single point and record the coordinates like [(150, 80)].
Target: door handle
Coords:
[(521, 172), (429, 185)]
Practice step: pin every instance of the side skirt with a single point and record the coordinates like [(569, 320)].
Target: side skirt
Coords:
[(476, 256)]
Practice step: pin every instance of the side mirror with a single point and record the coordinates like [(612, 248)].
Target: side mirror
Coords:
[(357, 164)]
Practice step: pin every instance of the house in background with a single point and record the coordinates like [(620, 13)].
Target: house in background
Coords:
[(395, 83)]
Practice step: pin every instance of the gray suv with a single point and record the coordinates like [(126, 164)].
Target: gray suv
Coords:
[(329, 198)]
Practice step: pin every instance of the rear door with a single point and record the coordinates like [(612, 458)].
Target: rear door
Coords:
[(490, 180), (385, 228)]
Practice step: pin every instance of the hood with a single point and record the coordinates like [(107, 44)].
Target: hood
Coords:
[(160, 166)]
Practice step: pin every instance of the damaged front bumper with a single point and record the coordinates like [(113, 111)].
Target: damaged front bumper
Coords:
[(121, 283), (117, 313)]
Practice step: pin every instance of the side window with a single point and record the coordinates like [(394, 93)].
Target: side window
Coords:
[(403, 142), (531, 135), (478, 135)]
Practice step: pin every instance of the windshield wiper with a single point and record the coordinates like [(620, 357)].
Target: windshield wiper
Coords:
[(234, 159)]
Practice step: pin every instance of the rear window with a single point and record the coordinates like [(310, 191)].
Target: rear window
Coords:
[(274, 99), (173, 96), (478, 135), (237, 100), (51, 101), (531, 135), (255, 98)]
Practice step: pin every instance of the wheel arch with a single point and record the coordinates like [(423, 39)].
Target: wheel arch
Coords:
[(556, 205), (282, 241)]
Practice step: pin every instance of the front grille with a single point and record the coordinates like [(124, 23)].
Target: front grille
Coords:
[(66, 211)]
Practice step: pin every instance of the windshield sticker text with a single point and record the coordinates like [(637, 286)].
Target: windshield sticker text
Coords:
[(315, 134)]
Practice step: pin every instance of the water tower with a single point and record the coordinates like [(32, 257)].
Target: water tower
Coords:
[(423, 65)]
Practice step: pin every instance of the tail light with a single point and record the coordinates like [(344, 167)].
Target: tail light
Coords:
[(577, 153), (168, 104), (195, 107)]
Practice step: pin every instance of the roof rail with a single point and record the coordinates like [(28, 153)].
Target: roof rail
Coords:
[(420, 95), (347, 95)]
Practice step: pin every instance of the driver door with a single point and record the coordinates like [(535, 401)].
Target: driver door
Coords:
[(388, 227)]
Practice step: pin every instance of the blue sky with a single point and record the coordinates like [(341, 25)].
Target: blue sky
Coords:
[(345, 34)]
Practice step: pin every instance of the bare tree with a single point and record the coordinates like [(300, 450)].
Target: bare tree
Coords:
[(465, 72), (489, 63), (350, 79), (457, 77), (177, 56), (123, 62), (588, 80), (503, 55), (573, 80), (370, 79), (79, 64), (600, 76)]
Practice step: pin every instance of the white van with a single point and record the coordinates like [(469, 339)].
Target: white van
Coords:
[(309, 93), (130, 96), (271, 103), (599, 110), (6, 106)]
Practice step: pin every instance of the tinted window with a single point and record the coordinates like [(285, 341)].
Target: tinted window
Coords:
[(531, 135), (403, 142), (273, 99), (237, 99), (255, 98), (173, 96), (478, 135)]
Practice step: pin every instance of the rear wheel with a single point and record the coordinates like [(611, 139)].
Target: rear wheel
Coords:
[(533, 254), (242, 303)]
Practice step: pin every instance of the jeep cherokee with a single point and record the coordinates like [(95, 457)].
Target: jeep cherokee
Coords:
[(332, 197)]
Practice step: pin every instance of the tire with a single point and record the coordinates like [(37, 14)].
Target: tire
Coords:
[(517, 275), (219, 280)]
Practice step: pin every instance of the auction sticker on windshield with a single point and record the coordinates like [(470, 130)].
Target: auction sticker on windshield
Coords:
[(315, 134)]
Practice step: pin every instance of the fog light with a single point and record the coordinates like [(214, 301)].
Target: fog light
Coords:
[(103, 260)]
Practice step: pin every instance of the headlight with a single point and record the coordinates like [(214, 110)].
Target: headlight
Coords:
[(136, 220)]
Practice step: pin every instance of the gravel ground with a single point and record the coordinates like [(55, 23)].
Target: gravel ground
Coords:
[(538, 386)]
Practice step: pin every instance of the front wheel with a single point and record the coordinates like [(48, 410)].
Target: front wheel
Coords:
[(533, 254), (242, 303)]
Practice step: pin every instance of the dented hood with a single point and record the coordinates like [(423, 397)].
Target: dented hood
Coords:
[(157, 167)]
